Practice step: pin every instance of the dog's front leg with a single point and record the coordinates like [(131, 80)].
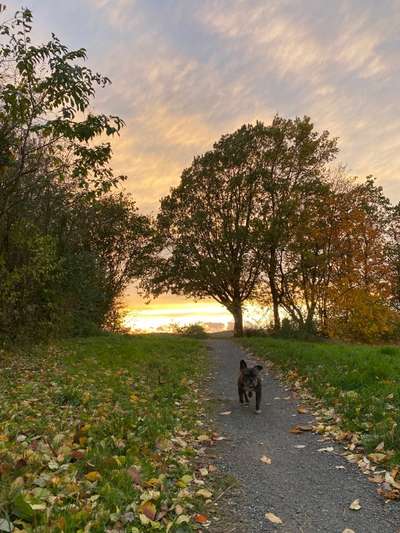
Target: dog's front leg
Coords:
[(258, 398), (242, 394), (240, 390)]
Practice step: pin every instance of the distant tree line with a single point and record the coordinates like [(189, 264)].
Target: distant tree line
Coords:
[(263, 216)]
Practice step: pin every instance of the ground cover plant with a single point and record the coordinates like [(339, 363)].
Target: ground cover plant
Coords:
[(100, 434), (358, 386)]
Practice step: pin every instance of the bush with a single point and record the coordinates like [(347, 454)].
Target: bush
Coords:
[(256, 332), (192, 330), (291, 330)]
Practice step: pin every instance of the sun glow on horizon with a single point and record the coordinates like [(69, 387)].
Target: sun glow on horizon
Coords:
[(165, 317)]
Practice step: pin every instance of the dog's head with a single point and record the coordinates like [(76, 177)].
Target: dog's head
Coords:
[(250, 377)]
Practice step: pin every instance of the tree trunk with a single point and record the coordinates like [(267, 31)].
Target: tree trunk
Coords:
[(274, 290), (238, 318)]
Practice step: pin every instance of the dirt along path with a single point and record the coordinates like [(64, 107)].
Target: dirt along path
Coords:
[(309, 490)]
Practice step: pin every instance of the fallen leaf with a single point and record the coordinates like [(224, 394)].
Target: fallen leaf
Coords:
[(226, 413), (200, 518), (355, 506), (148, 509), (6, 525), (347, 530), (184, 518), (300, 429), (178, 509), (327, 449), (204, 493), (377, 457), (273, 518), (266, 460), (380, 447), (93, 476), (300, 446), (302, 410), (134, 474)]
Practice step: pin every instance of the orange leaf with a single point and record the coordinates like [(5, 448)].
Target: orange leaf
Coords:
[(200, 518)]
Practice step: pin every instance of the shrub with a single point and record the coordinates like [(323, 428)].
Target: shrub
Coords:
[(191, 330)]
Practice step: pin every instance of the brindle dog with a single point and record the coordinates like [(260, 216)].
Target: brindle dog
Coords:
[(249, 381)]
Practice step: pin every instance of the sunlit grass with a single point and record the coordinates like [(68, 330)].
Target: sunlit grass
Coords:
[(361, 382)]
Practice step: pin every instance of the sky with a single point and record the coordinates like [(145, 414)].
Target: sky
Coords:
[(185, 72)]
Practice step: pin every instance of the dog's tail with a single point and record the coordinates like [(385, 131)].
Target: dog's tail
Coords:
[(243, 364)]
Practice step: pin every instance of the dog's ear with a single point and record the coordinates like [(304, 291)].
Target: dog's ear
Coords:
[(243, 364), (258, 368)]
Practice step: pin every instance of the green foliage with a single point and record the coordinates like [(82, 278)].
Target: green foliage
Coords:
[(192, 330), (68, 244)]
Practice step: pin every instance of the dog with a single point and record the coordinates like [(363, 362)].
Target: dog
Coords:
[(249, 381)]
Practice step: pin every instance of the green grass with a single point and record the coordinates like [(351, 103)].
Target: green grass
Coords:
[(361, 382), (85, 434)]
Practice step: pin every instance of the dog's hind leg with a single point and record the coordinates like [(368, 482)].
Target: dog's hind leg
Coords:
[(258, 399)]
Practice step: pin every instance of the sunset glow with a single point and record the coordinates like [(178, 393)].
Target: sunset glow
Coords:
[(212, 316)]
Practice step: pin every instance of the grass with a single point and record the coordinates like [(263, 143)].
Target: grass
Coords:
[(361, 383), (100, 434)]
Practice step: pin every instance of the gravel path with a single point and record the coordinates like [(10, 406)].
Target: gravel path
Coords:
[(302, 486)]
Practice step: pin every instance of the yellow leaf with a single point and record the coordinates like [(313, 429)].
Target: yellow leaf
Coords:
[(134, 398), (93, 476), (183, 518), (273, 518), (204, 493)]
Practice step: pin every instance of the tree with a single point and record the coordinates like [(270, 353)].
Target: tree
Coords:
[(293, 164), (68, 246), (209, 226), (227, 220)]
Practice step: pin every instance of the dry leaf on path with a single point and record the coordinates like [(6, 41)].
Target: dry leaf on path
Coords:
[(300, 429), (273, 518), (226, 413), (327, 449), (266, 460), (302, 410), (355, 506)]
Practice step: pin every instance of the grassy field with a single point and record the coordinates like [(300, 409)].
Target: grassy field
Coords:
[(100, 434), (361, 383)]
